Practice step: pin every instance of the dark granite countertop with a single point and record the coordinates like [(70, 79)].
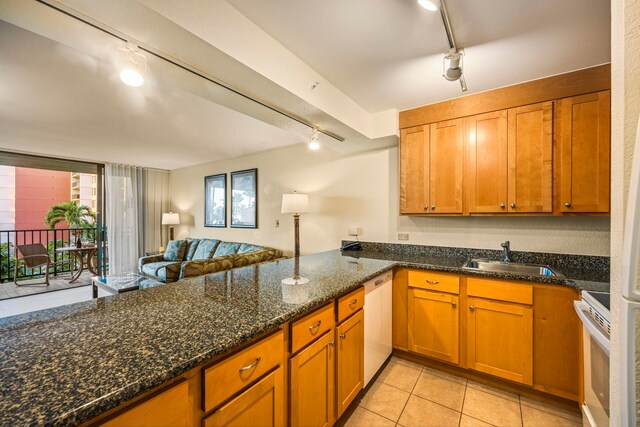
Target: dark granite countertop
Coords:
[(66, 365)]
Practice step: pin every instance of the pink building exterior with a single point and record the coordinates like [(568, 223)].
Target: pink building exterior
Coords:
[(36, 190)]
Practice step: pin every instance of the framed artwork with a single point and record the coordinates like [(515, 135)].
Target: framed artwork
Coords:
[(215, 200), (244, 199)]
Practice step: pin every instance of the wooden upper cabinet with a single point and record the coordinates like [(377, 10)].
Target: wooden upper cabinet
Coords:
[(414, 170), (445, 166), (530, 158), (487, 162), (583, 133)]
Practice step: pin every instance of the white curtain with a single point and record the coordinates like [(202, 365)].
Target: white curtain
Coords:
[(123, 186), (135, 199)]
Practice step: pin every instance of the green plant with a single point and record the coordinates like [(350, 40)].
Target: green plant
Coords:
[(77, 216)]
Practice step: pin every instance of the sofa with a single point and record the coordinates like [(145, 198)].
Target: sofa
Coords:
[(196, 257)]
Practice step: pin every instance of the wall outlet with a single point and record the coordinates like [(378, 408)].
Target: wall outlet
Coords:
[(403, 236), (355, 231), (277, 223)]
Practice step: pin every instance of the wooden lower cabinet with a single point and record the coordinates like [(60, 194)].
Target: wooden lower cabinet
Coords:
[(312, 384), (349, 361), (259, 406), (500, 339), (434, 324), (171, 408)]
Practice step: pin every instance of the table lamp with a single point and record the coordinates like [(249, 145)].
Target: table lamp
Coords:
[(296, 204), (170, 219)]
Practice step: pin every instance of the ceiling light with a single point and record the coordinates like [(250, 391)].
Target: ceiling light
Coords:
[(132, 65), (313, 143), (452, 67), (429, 5)]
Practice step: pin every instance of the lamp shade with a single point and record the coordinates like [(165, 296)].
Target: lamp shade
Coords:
[(295, 203), (170, 218)]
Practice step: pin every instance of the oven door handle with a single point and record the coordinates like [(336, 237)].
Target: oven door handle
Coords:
[(592, 327)]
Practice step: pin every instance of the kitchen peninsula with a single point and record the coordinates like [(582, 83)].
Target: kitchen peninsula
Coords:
[(71, 364)]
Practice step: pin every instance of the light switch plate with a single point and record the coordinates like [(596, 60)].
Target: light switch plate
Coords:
[(403, 236)]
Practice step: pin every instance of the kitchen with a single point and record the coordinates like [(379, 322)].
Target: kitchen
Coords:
[(558, 228)]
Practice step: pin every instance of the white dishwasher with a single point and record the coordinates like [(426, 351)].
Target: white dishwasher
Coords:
[(377, 323)]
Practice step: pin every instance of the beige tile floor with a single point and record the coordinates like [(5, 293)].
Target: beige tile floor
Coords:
[(407, 394)]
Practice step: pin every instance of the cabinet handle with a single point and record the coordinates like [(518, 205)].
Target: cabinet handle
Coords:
[(332, 343), (471, 308), (426, 208), (317, 325), (513, 205), (253, 365), (343, 336), (502, 205), (567, 205), (353, 303), (379, 282), (453, 304), (433, 207), (432, 282)]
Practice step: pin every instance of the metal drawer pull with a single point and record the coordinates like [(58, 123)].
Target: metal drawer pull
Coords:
[(353, 303), (343, 336), (433, 282), (317, 325), (433, 206), (513, 205), (379, 282), (332, 343), (502, 205), (471, 308), (253, 365), (567, 205), (453, 304)]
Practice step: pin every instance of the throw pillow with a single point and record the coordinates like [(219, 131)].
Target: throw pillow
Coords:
[(226, 248), (205, 250), (175, 250), (246, 248), (192, 245)]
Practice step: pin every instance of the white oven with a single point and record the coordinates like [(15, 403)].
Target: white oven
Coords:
[(596, 330)]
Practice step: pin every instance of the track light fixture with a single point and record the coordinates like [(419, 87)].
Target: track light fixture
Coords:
[(133, 66), (313, 143), (452, 67)]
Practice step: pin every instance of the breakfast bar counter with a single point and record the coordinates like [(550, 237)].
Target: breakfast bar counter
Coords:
[(66, 365)]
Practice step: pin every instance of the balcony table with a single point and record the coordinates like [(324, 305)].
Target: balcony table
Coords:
[(84, 256)]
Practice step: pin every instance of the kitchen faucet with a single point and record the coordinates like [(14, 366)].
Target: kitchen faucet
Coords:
[(506, 251)]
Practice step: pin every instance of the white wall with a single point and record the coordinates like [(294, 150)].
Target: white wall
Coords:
[(362, 190), (625, 108)]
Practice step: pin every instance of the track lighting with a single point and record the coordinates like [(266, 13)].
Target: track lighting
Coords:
[(133, 67), (313, 143), (452, 67), (431, 5)]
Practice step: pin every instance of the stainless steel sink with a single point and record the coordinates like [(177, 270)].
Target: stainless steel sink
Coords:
[(510, 267)]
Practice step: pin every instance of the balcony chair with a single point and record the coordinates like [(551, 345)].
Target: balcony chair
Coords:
[(33, 255)]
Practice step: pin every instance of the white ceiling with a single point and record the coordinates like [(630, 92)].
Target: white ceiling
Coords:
[(57, 101), (388, 53), (60, 95)]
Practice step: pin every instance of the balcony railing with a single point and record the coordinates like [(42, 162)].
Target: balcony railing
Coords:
[(51, 239)]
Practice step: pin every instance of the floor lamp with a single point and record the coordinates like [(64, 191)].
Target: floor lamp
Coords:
[(295, 204), (170, 219)]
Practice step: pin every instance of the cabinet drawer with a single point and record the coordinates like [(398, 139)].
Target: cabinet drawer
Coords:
[(350, 303), (231, 375), (171, 408), (261, 403), (434, 281), (310, 327), (520, 293)]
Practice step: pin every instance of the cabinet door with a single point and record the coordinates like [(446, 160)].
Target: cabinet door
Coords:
[(584, 152), (530, 158), (433, 324), (260, 406), (312, 375), (172, 408), (487, 162), (414, 170), (350, 361), (500, 339), (445, 166)]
